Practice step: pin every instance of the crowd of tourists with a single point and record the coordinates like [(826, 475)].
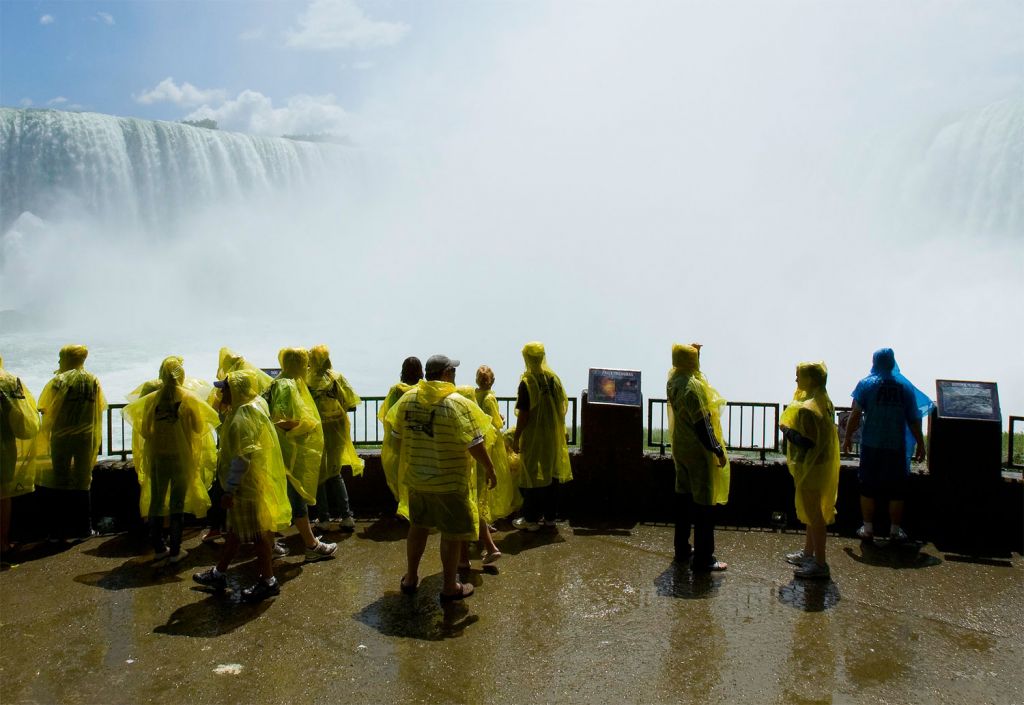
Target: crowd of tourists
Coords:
[(255, 454)]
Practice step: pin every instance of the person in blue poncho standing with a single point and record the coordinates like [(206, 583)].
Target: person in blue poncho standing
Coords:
[(891, 409)]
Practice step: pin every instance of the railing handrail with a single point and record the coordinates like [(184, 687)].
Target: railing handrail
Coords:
[(1009, 442), (508, 403), (767, 444)]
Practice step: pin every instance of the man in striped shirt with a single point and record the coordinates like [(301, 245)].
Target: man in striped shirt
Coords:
[(434, 427)]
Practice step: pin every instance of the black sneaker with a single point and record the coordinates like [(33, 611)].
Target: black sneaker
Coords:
[(259, 591), (211, 578)]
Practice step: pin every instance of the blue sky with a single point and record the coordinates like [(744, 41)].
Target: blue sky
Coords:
[(166, 60)]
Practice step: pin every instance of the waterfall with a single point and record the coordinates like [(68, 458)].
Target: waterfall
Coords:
[(962, 175), (141, 172)]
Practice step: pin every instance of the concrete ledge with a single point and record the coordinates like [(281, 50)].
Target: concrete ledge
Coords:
[(758, 490)]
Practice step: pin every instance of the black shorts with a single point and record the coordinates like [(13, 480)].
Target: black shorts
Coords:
[(883, 473)]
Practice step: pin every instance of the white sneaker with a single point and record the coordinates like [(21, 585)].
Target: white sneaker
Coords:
[(524, 525), (798, 558), (179, 556), (347, 523)]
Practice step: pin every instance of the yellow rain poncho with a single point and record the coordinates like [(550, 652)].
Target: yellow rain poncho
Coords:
[(543, 450), (295, 417), (334, 399), (505, 498), (388, 451), (19, 424), (691, 401), (173, 446), (72, 404), (814, 467), (230, 361), (261, 499)]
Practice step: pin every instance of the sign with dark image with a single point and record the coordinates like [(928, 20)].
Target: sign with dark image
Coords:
[(614, 387), (968, 400)]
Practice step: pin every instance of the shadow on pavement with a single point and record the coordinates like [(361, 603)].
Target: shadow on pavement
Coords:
[(419, 616), (386, 529), (223, 612), (896, 557), (518, 541)]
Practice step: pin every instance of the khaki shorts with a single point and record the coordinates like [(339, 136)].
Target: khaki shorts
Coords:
[(454, 515)]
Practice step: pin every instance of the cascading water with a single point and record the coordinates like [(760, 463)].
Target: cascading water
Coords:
[(962, 176), (141, 172)]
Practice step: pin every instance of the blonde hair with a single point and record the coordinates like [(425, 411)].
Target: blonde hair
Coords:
[(484, 377)]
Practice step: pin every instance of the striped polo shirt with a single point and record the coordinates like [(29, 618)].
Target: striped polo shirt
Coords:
[(435, 428)]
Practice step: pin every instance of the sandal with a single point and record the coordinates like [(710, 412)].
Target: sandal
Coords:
[(464, 591), (491, 557), (406, 588)]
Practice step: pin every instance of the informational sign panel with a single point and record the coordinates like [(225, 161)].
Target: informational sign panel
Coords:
[(272, 371), (620, 387), (978, 401)]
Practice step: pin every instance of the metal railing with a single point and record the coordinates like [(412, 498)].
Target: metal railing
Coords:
[(368, 431), (124, 435), (747, 426), (1014, 453), (741, 422)]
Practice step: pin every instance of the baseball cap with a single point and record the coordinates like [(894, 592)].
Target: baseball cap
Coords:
[(437, 364)]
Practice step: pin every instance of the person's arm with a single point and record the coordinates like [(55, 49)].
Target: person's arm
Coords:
[(706, 436), (852, 424), (479, 454), (239, 467), (919, 453), (522, 421)]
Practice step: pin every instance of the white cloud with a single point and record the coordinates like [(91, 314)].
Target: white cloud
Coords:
[(25, 102), (57, 101), (105, 17), (255, 113), (185, 95), (342, 24), (47, 19), (362, 65), (252, 34)]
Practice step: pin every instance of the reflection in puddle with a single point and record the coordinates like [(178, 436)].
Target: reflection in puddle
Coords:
[(810, 595)]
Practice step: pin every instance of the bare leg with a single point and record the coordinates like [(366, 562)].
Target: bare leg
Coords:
[(450, 564), (867, 509), (231, 544), (415, 545), (485, 538), (896, 512), (816, 532), (306, 532), (264, 555)]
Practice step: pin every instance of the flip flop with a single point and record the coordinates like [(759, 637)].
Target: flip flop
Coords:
[(465, 590), (407, 589)]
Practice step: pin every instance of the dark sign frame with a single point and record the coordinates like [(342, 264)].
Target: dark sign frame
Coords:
[(614, 387), (964, 399)]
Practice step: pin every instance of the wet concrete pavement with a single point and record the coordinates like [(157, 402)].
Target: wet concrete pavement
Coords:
[(584, 616)]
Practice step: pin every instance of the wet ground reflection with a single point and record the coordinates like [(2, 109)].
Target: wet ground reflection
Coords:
[(810, 595), (419, 616), (679, 581)]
